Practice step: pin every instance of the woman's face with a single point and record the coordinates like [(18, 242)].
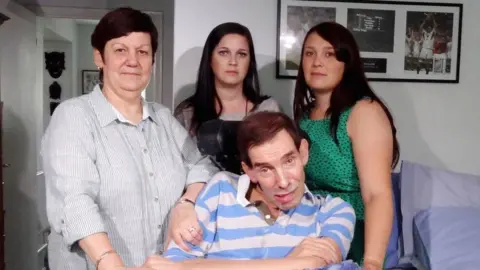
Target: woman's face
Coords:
[(127, 63), (231, 60), (323, 72)]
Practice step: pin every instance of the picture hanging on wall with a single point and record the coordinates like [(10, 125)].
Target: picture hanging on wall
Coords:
[(398, 41), (90, 78)]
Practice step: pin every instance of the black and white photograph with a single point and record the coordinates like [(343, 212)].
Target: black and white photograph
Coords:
[(299, 20), (398, 41), (373, 29), (90, 78), (428, 42)]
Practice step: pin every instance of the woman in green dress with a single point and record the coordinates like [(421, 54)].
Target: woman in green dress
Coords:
[(353, 144)]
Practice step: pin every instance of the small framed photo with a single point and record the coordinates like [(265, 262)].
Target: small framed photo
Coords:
[(398, 41), (90, 78)]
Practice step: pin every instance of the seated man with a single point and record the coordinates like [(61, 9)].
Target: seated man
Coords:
[(266, 217)]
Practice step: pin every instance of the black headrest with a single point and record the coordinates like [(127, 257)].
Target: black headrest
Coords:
[(218, 138)]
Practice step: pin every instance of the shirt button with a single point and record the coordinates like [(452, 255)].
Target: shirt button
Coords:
[(156, 199), (145, 150), (159, 226), (151, 174)]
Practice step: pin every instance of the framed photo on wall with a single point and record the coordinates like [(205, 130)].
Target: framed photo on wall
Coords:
[(90, 78), (398, 41)]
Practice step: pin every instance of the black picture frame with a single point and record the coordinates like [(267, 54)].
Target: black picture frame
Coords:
[(90, 78), (398, 57)]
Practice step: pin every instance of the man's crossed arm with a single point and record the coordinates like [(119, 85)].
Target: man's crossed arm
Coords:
[(336, 219)]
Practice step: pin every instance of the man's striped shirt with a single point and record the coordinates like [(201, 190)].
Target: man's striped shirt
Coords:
[(233, 228)]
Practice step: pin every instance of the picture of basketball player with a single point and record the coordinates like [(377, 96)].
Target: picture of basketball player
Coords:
[(426, 42)]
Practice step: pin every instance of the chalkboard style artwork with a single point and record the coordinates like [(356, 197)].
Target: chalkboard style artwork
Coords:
[(55, 90), (373, 29), (53, 106), (55, 63)]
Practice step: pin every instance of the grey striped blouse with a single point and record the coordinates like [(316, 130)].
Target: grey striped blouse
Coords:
[(104, 174)]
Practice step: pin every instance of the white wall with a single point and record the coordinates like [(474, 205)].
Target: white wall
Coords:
[(21, 115), (62, 27), (84, 51), (437, 123)]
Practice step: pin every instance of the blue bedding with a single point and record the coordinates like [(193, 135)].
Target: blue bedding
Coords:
[(448, 238), (345, 265)]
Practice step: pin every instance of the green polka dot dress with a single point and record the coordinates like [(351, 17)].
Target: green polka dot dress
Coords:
[(331, 170)]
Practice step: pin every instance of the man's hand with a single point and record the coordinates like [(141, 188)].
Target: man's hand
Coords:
[(314, 247), (160, 263)]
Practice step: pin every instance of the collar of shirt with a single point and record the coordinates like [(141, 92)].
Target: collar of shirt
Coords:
[(106, 113), (244, 184), (145, 113)]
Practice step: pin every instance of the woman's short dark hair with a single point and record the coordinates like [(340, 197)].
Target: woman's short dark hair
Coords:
[(121, 22), (202, 102)]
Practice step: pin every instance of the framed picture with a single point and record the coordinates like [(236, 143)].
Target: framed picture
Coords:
[(398, 41), (90, 78)]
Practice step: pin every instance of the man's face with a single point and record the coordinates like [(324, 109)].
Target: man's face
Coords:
[(278, 168)]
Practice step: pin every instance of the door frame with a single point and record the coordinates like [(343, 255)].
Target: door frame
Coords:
[(96, 14)]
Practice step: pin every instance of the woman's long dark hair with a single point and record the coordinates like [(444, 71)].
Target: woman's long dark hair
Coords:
[(352, 88), (203, 100)]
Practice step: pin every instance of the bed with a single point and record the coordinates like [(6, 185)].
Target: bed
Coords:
[(447, 237), (439, 219)]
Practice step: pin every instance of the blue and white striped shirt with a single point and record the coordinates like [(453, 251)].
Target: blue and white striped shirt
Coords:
[(235, 229)]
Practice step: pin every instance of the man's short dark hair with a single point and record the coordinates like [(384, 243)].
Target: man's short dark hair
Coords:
[(261, 127)]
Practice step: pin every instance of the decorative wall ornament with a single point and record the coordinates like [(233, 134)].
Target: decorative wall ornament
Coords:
[(55, 90), (3, 18), (55, 63), (53, 106)]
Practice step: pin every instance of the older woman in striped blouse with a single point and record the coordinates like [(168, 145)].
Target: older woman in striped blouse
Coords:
[(116, 165)]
